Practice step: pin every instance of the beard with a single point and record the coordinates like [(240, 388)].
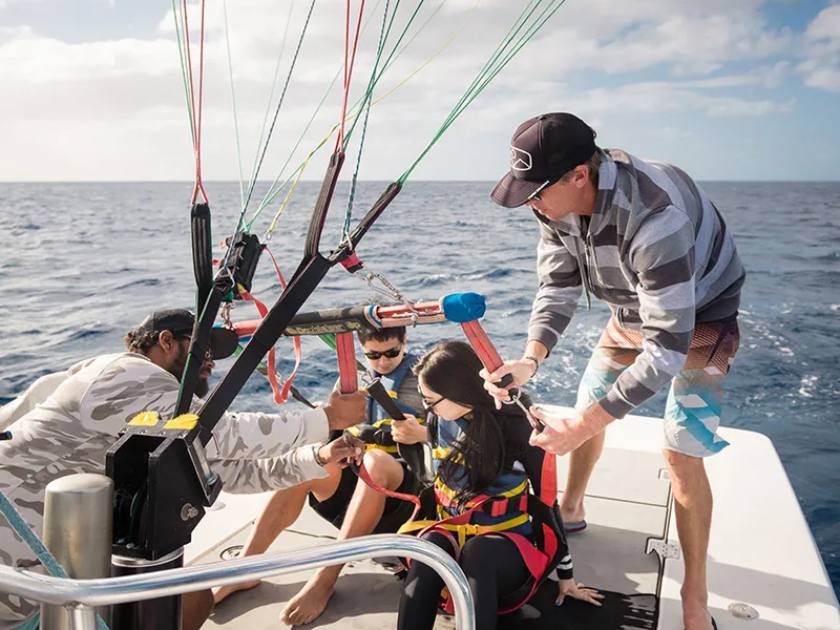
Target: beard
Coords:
[(178, 367), (202, 387)]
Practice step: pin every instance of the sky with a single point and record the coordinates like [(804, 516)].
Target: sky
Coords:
[(92, 90)]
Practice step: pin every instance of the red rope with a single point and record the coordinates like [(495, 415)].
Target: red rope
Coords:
[(198, 180), (364, 475), (283, 395), (196, 115), (348, 67)]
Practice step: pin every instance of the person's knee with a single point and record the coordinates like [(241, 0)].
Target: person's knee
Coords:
[(195, 609), (325, 487), (689, 481), (441, 540), (478, 554), (682, 465), (383, 468)]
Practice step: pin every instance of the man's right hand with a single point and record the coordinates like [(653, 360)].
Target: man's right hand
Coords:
[(341, 451), (345, 410), (522, 370)]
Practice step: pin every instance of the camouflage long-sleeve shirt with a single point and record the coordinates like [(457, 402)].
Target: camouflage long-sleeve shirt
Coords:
[(66, 422)]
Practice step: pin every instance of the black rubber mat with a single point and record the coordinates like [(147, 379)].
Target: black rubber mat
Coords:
[(617, 612)]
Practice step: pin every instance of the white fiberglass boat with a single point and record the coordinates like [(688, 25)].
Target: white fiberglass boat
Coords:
[(765, 572)]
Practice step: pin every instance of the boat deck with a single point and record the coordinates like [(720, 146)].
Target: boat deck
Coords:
[(761, 552)]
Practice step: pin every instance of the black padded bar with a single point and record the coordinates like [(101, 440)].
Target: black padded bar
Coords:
[(199, 344), (332, 320), (377, 391), (202, 251), (310, 272), (372, 215), (319, 213)]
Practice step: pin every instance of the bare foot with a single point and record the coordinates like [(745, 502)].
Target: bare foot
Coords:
[(573, 514), (310, 601), (223, 591), (696, 616)]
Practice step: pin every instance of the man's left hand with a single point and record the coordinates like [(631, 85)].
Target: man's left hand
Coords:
[(564, 433)]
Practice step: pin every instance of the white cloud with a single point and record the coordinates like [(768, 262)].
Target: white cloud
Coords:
[(57, 92), (661, 97), (821, 68)]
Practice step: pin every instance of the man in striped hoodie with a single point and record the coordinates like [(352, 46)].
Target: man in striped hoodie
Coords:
[(645, 239)]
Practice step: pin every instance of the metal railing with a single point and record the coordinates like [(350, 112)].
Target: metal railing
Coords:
[(80, 596)]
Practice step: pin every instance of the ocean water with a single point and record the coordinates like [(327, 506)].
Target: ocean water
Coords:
[(84, 262)]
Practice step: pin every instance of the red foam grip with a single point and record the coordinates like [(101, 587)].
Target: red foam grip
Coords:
[(482, 345), (346, 352)]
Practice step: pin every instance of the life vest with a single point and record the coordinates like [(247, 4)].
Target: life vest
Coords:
[(375, 432), (392, 383), (508, 507)]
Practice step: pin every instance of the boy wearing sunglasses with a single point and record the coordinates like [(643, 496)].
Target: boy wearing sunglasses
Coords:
[(342, 498)]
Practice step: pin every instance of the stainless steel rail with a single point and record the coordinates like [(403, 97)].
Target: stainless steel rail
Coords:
[(80, 595)]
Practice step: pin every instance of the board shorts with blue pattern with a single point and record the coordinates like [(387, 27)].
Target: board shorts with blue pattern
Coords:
[(695, 398)]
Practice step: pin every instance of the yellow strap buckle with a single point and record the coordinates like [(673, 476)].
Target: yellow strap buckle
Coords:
[(184, 421), (467, 529), (145, 419)]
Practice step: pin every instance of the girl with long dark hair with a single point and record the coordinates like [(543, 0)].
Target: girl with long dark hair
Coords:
[(495, 497)]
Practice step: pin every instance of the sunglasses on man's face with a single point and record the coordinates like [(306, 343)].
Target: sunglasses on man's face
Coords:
[(187, 336), (391, 353), (537, 194)]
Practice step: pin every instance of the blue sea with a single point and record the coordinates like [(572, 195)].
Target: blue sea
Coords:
[(84, 262)]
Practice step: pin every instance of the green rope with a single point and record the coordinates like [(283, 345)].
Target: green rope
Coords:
[(348, 215), (274, 191), (235, 117), (35, 544), (261, 153), (518, 35), (183, 60), (360, 105), (356, 107), (329, 339), (511, 44), (277, 65)]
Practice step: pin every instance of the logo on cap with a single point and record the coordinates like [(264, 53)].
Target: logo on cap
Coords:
[(520, 160)]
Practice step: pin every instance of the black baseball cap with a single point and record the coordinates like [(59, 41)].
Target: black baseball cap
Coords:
[(180, 321), (543, 149)]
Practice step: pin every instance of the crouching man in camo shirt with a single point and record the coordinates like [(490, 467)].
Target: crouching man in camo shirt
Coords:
[(66, 422)]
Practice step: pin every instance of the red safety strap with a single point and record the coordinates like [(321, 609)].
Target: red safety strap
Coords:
[(548, 480), (364, 475), (345, 350), (482, 345), (490, 358), (280, 392), (536, 562), (352, 263), (500, 507)]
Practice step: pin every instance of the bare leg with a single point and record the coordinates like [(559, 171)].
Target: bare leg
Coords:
[(609, 359), (363, 513), (282, 509), (693, 507), (195, 609), (581, 464)]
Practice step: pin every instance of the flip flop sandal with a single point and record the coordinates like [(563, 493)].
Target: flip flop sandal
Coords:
[(574, 527), (714, 623)]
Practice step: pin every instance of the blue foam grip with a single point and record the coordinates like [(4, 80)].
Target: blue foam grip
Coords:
[(370, 312), (463, 307)]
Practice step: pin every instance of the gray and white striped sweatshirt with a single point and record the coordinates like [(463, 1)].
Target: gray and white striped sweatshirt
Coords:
[(657, 251)]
